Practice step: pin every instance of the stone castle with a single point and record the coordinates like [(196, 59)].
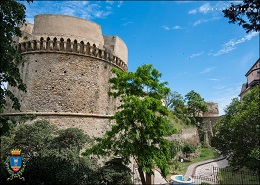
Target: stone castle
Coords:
[(66, 66)]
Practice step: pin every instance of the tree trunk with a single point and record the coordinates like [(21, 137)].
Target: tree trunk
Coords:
[(149, 179), (141, 173)]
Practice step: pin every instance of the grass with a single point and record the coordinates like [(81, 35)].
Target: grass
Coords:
[(178, 124), (180, 168)]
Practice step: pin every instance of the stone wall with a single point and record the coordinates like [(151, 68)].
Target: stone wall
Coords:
[(187, 135), (212, 110), (66, 67), (65, 83)]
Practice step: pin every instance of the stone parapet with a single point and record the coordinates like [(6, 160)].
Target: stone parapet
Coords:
[(75, 47)]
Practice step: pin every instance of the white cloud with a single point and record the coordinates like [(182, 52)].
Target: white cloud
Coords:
[(84, 2), (173, 28), (198, 22), (205, 8), (229, 46), (125, 24), (214, 79), (195, 55), (101, 14), (177, 27), (68, 11), (223, 51), (192, 11), (108, 7), (82, 9), (110, 2), (233, 42), (165, 27), (207, 70), (202, 9), (93, 11), (120, 3)]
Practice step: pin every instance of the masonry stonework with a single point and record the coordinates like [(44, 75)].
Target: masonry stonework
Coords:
[(66, 66)]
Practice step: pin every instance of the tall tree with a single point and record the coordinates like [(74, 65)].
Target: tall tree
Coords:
[(245, 14), (12, 15), (195, 105), (176, 103), (173, 99), (238, 132), (141, 122)]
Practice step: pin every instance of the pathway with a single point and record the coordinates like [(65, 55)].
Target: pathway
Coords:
[(204, 170)]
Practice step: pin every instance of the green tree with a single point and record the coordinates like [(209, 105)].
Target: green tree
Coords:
[(173, 99), (195, 105), (179, 108), (245, 14), (140, 122), (175, 102), (238, 132), (12, 16)]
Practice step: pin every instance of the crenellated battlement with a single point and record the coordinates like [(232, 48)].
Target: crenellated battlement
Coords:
[(60, 45)]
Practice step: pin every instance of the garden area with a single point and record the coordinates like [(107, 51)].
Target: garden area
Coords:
[(179, 168)]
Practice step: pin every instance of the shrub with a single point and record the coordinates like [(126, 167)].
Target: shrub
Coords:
[(188, 149)]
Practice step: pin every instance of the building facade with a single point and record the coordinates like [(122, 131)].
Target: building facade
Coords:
[(253, 78)]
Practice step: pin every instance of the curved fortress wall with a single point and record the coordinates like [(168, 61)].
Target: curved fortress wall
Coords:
[(66, 66)]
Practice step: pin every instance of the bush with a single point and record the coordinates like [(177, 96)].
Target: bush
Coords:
[(114, 172), (188, 149), (52, 156)]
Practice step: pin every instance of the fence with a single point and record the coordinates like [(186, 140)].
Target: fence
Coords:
[(228, 176)]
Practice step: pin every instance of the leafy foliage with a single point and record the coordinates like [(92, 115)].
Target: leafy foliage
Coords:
[(188, 109), (114, 172), (174, 148), (245, 14), (188, 149), (12, 15), (141, 122), (177, 104), (52, 156), (238, 132), (195, 105)]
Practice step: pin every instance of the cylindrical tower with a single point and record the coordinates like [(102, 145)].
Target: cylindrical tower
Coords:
[(66, 66)]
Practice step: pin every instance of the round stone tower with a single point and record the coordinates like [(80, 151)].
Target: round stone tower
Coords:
[(66, 66)]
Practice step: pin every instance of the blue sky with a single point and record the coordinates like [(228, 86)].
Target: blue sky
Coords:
[(190, 43)]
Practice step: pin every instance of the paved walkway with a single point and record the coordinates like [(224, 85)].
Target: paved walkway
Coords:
[(207, 173), (158, 179), (202, 167)]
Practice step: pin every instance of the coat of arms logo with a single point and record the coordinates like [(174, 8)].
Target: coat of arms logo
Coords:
[(15, 165)]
